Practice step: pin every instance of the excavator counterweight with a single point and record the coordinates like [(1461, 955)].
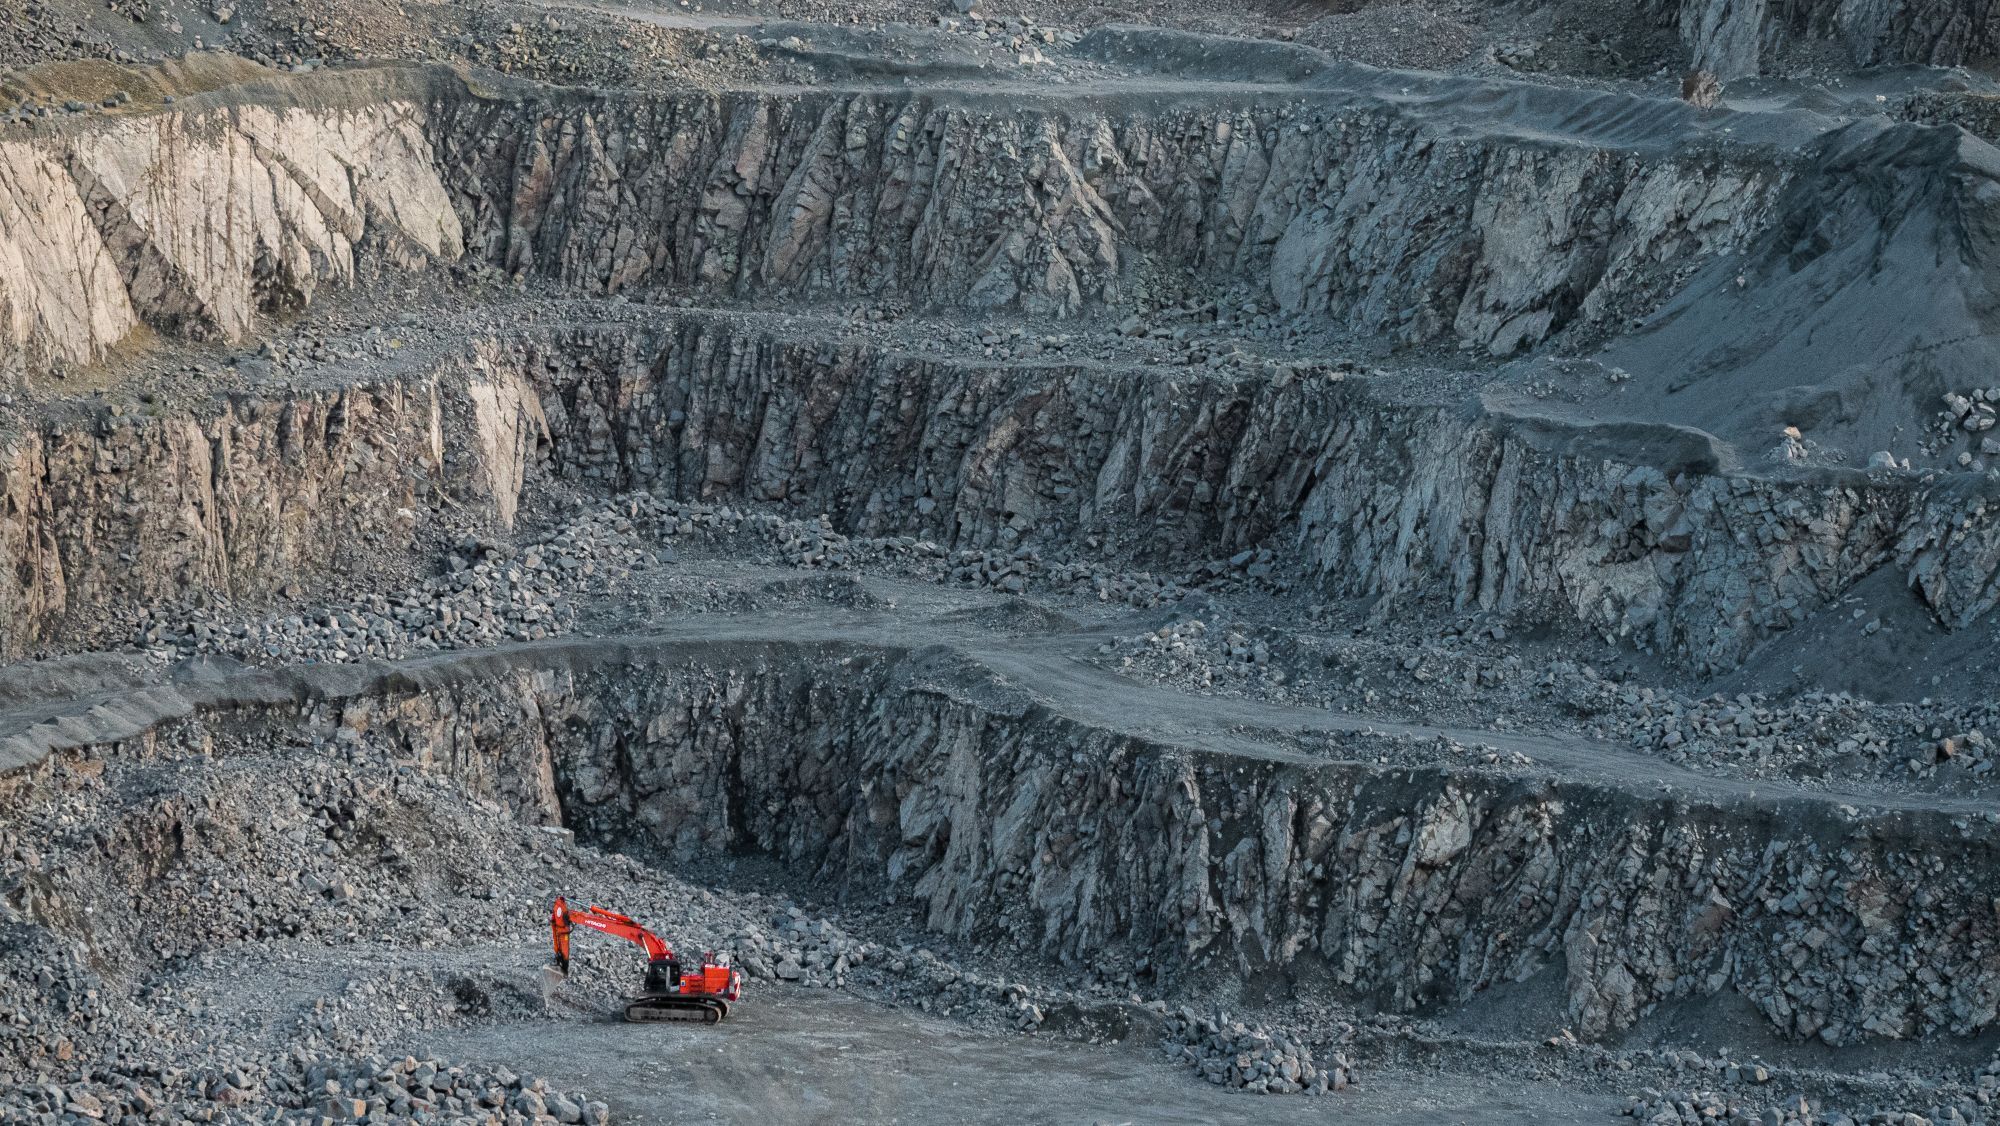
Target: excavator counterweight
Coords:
[(670, 992)]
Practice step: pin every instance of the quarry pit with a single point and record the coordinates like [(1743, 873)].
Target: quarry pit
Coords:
[(1152, 562)]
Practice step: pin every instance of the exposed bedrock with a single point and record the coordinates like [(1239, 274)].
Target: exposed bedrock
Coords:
[(1903, 225), (195, 222), (1739, 37), (1632, 532), (1349, 207), (1729, 38), (1351, 203), (101, 513), (1349, 197), (873, 771)]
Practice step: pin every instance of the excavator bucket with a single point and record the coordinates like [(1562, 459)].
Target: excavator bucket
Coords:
[(552, 980)]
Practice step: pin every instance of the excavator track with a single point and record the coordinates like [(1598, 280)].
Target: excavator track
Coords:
[(676, 1007)]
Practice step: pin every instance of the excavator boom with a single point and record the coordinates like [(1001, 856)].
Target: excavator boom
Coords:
[(562, 917)]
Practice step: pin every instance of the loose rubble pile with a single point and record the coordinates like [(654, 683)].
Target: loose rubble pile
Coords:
[(1230, 1053), (1187, 653), (1813, 728), (489, 593), (492, 591), (1965, 420), (1454, 671), (811, 952), (364, 1090), (1464, 674), (1671, 1108), (1697, 1108), (377, 1089)]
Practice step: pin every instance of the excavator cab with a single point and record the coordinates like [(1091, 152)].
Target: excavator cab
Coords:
[(663, 976)]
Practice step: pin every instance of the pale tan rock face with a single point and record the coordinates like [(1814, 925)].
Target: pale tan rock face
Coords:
[(62, 298), (197, 222), (508, 426)]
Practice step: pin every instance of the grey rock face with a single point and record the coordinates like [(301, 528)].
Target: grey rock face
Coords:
[(195, 222), (1377, 499), (925, 777), (1373, 499), (1734, 37), (244, 500), (1350, 209)]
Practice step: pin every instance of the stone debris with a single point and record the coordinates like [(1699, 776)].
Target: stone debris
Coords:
[(1232, 1054), (1188, 653), (488, 594), (300, 1088), (308, 845), (1694, 1108), (1672, 1108), (1960, 433), (1800, 735), (1700, 89), (493, 592)]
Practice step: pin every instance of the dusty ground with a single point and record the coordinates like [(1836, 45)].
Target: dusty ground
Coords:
[(834, 1059)]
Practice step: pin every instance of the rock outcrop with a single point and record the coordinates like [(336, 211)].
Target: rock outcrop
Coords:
[(108, 513), (921, 775), (1349, 207), (195, 221), (1635, 534), (1734, 38), (1363, 497)]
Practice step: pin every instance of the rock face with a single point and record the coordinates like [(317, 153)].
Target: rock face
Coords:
[(195, 221), (240, 500), (1362, 497), (1351, 207), (1370, 498), (1858, 238), (1734, 38), (921, 775)]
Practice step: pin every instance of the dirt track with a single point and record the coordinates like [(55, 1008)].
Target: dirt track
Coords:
[(804, 1058)]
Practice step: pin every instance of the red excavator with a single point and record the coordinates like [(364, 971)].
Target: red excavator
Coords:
[(670, 993)]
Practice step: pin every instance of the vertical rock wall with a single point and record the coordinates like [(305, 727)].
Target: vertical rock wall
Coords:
[(1370, 499), (1375, 499), (104, 514), (1739, 38), (920, 776), (1357, 213), (196, 221)]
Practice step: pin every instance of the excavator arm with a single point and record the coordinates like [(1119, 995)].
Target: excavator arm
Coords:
[(562, 917)]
